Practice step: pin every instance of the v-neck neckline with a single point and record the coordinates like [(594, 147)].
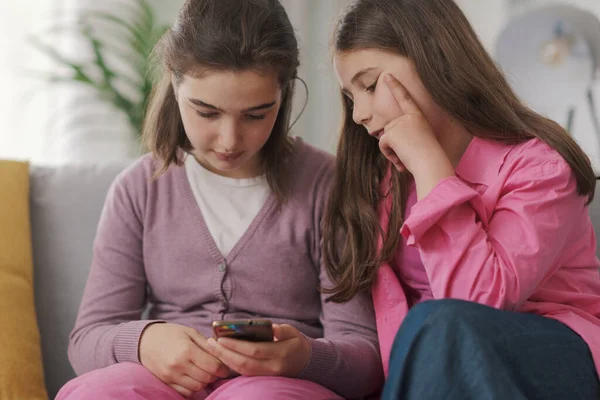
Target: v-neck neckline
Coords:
[(199, 221)]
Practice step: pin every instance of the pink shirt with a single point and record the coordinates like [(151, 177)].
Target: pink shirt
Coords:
[(508, 231)]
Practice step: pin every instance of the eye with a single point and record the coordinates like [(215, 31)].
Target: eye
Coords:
[(207, 115), (256, 117), (372, 88)]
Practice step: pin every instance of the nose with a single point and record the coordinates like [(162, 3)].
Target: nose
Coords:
[(229, 135), (361, 114)]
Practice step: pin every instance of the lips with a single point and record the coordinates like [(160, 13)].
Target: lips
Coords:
[(227, 156), (377, 134)]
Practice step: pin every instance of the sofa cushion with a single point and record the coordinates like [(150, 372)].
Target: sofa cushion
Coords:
[(21, 373), (66, 202)]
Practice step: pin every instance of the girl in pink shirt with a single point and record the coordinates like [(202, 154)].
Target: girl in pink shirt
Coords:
[(463, 211)]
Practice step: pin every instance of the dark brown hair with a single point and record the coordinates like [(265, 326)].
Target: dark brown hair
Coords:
[(223, 35), (464, 80)]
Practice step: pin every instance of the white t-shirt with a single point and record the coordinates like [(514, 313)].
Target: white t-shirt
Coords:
[(228, 205)]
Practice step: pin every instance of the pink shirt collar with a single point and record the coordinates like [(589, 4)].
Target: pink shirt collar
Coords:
[(482, 161)]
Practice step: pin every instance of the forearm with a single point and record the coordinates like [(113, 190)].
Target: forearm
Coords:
[(95, 347), (430, 174)]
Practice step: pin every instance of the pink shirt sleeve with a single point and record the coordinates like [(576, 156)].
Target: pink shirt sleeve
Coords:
[(496, 251)]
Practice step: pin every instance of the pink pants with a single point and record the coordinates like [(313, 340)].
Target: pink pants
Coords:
[(129, 381)]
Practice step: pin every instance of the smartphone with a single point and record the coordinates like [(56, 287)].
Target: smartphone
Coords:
[(252, 330)]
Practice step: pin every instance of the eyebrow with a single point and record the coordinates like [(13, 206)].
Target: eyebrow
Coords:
[(245, 110)]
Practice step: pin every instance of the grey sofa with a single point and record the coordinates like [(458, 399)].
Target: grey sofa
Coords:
[(66, 203)]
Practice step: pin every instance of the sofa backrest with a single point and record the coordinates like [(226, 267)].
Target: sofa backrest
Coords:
[(65, 205)]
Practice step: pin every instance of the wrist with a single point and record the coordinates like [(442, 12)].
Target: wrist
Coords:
[(303, 357), (430, 174)]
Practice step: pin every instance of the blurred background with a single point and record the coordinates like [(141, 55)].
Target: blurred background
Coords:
[(72, 86)]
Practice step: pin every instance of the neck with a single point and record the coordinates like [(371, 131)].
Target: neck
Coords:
[(455, 142)]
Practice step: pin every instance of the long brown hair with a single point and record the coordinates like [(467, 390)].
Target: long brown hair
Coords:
[(464, 80), (223, 35)]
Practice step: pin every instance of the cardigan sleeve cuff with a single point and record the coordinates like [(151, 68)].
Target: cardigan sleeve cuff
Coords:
[(127, 341)]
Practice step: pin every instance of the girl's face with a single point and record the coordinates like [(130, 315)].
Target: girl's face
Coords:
[(360, 75), (228, 117)]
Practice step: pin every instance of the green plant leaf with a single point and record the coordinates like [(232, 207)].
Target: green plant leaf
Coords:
[(136, 38), (136, 33)]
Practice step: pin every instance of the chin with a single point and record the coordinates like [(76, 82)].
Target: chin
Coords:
[(226, 167)]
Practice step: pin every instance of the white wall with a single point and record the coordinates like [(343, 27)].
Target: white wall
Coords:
[(523, 5), (166, 9), (25, 105), (314, 22), (487, 18), (557, 96)]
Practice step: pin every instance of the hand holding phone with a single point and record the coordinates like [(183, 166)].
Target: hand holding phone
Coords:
[(286, 354)]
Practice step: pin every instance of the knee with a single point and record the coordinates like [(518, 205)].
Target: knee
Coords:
[(111, 382), (441, 318), (438, 312), (275, 387)]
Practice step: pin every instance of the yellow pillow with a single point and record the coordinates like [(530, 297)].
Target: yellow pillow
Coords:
[(21, 370)]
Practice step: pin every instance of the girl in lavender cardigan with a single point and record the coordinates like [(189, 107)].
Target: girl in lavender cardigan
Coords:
[(221, 221)]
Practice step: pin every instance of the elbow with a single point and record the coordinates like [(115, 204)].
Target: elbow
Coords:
[(371, 384), (371, 378), (499, 295), (74, 358), (375, 381), (498, 288), (80, 357)]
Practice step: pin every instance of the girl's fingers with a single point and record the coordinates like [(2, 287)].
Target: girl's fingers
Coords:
[(404, 99)]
